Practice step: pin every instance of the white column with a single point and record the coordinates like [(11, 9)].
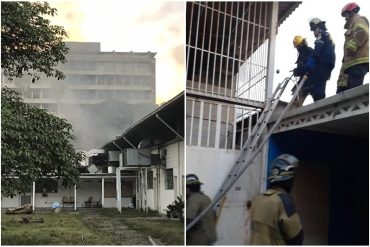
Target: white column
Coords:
[(75, 201), (218, 126), (118, 189), (102, 192), (33, 195), (145, 190), (271, 50), (137, 190)]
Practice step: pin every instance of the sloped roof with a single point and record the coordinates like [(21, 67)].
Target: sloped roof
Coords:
[(152, 128)]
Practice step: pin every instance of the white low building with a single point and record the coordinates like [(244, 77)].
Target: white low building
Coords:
[(145, 165)]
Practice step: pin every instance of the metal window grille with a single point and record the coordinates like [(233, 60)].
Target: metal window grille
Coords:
[(226, 62), (227, 48)]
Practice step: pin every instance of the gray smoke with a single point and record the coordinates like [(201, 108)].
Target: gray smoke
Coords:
[(99, 124)]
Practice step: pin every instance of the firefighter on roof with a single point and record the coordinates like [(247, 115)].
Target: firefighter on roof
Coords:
[(356, 49), (322, 62), (304, 53)]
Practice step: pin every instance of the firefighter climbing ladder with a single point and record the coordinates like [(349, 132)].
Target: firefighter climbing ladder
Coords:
[(252, 146)]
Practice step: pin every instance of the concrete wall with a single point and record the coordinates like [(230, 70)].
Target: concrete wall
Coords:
[(174, 160), (212, 167), (7, 202)]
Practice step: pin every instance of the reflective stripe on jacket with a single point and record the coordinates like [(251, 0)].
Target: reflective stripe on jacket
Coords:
[(356, 44)]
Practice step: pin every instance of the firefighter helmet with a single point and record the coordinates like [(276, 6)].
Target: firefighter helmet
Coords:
[(283, 168), (192, 179), (298, 40), (350, 7), (315, 22)]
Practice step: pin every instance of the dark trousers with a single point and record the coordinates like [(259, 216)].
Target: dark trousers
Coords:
[(317, 84), (356, 75)]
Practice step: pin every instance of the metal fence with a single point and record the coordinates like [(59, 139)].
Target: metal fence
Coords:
[(226, 62), (227, 48), (215, 125)]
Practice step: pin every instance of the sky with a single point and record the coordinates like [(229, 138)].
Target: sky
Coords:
[(137, 26), (298, 24)]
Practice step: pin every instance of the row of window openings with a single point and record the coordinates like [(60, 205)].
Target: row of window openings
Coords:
[(109, 66), (94, 80), (86, 94)]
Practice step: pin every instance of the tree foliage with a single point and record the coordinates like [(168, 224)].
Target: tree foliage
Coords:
[(29, 44), (34, 144)]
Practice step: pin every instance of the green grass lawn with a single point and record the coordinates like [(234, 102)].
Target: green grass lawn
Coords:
[(71, 228), (61, 228)]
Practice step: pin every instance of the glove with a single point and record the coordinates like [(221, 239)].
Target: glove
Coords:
[(295, 72), (310, 64)]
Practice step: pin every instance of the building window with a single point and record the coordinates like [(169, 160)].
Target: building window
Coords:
[(169, 179), (150, 180), (36, 93)]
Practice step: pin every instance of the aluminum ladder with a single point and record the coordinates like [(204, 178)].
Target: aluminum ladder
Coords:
[(252, 146)]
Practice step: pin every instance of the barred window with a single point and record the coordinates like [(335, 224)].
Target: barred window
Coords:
[(150, 180), (169, 179)]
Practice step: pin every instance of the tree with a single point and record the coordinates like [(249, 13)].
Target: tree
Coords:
[(34, 145), (29, 44)]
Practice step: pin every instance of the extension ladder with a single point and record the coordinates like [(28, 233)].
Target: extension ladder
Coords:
[(252, 146)]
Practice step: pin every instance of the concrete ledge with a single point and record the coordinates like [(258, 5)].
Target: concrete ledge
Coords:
[(357, 92)]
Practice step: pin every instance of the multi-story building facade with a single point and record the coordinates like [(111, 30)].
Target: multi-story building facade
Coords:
[(92, 76), (98, 88)]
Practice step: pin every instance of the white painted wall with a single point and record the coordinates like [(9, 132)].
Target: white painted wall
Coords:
[(174, 160), (212, 166), (7, 202)]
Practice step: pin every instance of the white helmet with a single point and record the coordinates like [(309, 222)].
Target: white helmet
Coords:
[(283, 168)]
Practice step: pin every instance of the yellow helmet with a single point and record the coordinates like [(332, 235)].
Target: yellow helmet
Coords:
[(298, 40)]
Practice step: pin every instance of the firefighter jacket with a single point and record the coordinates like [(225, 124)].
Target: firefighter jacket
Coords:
[(274, 220), (203, 232), (304, 53), (356, 43), (324, 56)]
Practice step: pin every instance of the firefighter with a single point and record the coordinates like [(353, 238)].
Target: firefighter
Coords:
[(304, 53), (322, 62), (274, 220), (204, 231), (356, 49)]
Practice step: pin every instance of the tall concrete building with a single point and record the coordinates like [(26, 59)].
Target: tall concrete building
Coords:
[(92, 76)]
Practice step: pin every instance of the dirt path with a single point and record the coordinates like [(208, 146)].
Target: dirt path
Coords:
[(116, 228)]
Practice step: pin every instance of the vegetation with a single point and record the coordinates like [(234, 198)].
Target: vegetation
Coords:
[(58, 229), (92, 227), (170, 232), (34, 145), (29, 44), (176, 209)]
